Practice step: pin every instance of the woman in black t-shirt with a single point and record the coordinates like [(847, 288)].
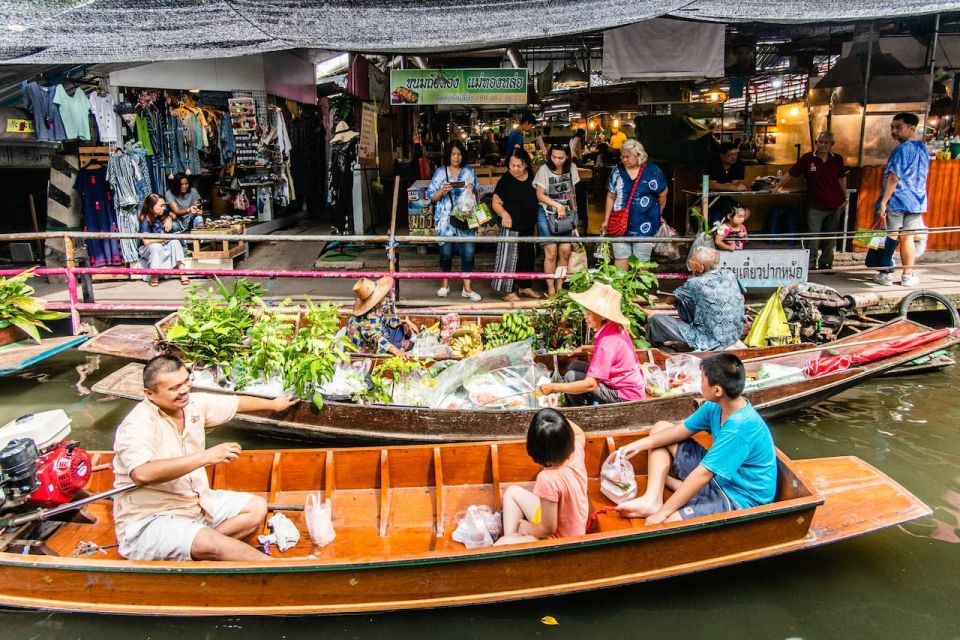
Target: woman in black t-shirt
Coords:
[(515, 201)]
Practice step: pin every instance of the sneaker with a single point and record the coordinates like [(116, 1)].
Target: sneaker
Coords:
[(442, 292), (473, 295), (910, 280), (883, 278)]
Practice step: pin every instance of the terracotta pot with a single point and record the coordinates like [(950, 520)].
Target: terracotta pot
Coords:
[(11, 333)]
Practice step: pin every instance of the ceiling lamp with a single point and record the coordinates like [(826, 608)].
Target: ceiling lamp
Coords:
[(715, 94), (571, 77)]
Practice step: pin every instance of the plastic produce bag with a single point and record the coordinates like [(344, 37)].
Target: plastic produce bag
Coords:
[(319, 517), (348, 379), (478, 527), (465, 208), (448, 391), (427, 344), (657, 383), (770, 326), (683, 371), (284, 533), (618, 482), (508, 388), (666, 250), (703, 239), (771, 374)]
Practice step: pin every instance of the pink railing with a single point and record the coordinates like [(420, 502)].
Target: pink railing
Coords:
[(71, 272)]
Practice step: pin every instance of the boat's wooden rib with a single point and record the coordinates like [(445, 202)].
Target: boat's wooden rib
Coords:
[(395, 552), (411, 424), (21, 355)]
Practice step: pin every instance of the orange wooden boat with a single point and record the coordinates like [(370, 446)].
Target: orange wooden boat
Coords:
[(394, 512)]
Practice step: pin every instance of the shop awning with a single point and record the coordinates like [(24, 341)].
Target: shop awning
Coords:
[(59, 31)]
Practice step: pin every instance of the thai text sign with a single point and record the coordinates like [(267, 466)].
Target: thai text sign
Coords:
[(458, 86), (766, 267)]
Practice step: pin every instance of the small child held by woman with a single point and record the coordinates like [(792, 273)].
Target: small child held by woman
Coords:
[(731, 234), (558, 505)]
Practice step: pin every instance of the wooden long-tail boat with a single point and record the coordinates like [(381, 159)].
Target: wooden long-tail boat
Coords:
[(381, 423), (144, 341), (394, 510)]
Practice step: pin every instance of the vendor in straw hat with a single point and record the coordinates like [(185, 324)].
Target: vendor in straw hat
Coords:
[(614, 373), (373, 329)]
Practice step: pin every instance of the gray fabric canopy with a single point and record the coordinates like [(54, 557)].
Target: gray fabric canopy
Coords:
[(56, 31)]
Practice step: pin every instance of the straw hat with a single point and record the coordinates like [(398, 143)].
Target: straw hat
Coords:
[(343, 133), (369, 293), (604, 301)]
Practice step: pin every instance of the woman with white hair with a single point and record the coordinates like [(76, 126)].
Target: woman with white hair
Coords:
[(709, 306), (640, 187)]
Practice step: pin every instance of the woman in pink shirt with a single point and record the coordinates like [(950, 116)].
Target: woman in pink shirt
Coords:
[(614, 373), (558, 506)]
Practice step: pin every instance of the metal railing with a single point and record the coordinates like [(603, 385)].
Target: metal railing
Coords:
[(71, 271)]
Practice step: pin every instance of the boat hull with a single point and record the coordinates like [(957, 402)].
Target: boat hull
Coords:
[(856, 498)]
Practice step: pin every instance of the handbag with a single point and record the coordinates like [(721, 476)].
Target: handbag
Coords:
[(871, 238), (561, 226), (617, 223)]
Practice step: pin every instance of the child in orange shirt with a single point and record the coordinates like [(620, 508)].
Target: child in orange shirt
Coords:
[(558, 505)]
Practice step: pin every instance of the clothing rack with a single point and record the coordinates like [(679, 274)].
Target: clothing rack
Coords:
[(93, 157)]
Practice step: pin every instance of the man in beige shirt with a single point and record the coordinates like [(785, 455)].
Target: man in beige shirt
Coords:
[(161, 447)]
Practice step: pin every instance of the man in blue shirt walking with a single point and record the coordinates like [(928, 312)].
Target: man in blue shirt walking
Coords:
[(903, 198), (516, 136)]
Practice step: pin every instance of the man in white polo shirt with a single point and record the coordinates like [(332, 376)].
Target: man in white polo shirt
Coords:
[(161, 447)]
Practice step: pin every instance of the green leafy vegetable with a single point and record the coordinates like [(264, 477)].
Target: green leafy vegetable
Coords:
[(20, 308)]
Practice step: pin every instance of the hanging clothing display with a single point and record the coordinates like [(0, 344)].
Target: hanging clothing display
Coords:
[(343, 155), (128, 173), (75, 112), (98, 215), (101, 105), (38, 100), (306, 155), (185, 158)]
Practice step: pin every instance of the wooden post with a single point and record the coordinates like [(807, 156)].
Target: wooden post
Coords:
[(71, 283), (36, 226)]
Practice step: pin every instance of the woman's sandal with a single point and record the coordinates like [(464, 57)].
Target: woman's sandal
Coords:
[(511, 297), (154, 282), (184, 280), (530, 293)]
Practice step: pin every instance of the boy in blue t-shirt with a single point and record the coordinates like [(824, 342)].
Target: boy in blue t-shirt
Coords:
[(740, 469)]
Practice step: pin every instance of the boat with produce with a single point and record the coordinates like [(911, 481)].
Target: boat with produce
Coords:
[(394, 510), (793, 382)]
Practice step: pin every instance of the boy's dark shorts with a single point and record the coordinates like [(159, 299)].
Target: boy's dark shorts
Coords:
[(710, 499)]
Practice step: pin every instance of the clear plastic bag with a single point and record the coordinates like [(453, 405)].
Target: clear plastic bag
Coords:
[(478, 527), (348, 379), (683, 372), (703, 239), (449, 392), (465, 208), (508, 388), (319, 517), (666, 250), (427, 344), (657, 383), (618, 482)]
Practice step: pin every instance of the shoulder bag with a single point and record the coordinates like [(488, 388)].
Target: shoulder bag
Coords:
[(619, 218)]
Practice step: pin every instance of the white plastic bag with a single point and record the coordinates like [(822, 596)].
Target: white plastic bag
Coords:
[(478, 527), (319, 517), (284, 533), (617, 479), (683, 370)]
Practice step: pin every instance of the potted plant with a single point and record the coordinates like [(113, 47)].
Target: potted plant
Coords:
[(21, 313)]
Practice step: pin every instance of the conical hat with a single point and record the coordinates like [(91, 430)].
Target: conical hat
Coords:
[(604, 301), (369, 293)]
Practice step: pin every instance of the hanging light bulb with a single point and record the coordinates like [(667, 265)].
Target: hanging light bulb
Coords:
[(776, 82), (616, 123)]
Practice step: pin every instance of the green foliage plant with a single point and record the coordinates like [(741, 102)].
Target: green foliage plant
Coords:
[(20, 308), (312, 357)]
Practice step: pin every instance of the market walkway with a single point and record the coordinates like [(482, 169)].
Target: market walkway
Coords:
[(853, 279)]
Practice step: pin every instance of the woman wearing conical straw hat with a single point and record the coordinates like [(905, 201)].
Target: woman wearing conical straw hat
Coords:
[(373, 328), (614, 373)]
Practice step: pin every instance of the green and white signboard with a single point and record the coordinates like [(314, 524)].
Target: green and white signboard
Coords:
[(458, 86)]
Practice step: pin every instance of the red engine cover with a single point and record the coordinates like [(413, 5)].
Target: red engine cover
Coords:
[(62, 471)]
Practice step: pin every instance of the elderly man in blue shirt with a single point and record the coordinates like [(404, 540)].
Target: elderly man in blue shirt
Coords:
[(709, 305), (903, 199)]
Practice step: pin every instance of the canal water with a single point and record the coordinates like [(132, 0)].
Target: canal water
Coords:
[(900, 583)]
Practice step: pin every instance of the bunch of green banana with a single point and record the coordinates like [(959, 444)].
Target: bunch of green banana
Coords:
[(514, 327)]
